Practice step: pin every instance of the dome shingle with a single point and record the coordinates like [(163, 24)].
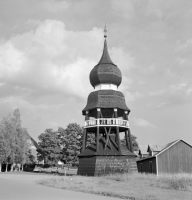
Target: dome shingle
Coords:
[(105, 72)]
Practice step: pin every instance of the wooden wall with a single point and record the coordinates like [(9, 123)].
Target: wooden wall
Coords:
[(147, 166), (176, 159), (115, 164), (87, 166), (102, 165)]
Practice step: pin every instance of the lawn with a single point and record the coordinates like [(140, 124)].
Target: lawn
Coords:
[(128, 186)]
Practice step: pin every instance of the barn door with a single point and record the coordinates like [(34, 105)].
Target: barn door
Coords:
[(150, 167), (141, 167)]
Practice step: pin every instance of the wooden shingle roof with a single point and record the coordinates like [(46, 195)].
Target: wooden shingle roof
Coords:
[(106, 99), (156, 148), (105, 72)]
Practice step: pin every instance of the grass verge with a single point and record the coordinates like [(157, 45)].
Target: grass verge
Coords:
[(128, 186)]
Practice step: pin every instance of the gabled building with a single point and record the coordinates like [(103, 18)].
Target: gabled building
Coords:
[(140, 154), (33, 146), (154, 149), (175, 157)]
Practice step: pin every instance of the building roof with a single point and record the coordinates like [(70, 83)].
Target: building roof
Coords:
[(33, 141), (156, 148), (167, 146), (105, 58), (143, 149), (170, 145), (105, 72), (106, 99), (38, 149)]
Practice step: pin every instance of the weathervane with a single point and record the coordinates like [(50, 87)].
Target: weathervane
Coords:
[(105, 31)]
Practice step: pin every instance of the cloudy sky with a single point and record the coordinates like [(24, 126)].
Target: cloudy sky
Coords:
[(48, 48)]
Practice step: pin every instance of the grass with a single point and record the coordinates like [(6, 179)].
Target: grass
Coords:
[(128, 186)]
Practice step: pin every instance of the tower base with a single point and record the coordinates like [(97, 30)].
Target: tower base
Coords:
[(103, 165)]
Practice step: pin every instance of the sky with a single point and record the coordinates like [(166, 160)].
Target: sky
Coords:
[(48, 48)]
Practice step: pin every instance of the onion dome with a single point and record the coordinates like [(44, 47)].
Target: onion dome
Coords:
[(105, 72)]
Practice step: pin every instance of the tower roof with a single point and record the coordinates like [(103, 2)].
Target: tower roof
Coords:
[(106, 99), (105, 72), (105, 58)]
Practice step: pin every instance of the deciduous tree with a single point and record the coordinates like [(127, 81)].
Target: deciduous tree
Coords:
[(72, 142), (49, 143), (13, 139), (134, 143)]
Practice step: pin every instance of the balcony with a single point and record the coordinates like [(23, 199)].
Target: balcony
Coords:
[(106, 122)]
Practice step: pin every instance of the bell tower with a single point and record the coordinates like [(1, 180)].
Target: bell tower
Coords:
[(106, 116)]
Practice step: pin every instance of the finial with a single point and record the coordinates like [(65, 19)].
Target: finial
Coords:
[(105, 31)]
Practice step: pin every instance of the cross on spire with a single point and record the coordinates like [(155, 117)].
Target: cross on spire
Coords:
[(105, 31)]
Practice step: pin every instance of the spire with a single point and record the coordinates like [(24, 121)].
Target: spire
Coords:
[(105, 31), (105, 59)]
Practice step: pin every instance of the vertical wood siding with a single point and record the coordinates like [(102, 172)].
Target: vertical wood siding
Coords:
[(176, 159), (144, 166)]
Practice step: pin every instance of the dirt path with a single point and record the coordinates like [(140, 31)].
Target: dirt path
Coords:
[(23, 186)]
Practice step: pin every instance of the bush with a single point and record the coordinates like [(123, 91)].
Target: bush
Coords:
[(28, 167), (46, 165)]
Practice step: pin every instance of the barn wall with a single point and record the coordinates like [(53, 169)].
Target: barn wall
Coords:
[(176, 159), (143, 166)]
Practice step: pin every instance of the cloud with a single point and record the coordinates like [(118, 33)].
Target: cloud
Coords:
[(162, 104), (153, 9), (189, 91), (51, 61), (123, 8), (183, 55), (182, 61), (132, 96), (142, 123), (177, 87), (179, 93), (32, 110), (125, 62), (157, 93), (183, 46), (55, 6)]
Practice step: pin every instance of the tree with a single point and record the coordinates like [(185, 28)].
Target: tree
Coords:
[(71, 143), (90, 139), (3, 146), (49, 143), (30, 158), (19, 137), (134, 143), (13, 139), (8, 131)]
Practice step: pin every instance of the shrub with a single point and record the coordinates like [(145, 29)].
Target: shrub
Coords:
[(28, 167)]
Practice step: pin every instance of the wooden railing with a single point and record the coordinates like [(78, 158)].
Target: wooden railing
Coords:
[(106, 122)]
